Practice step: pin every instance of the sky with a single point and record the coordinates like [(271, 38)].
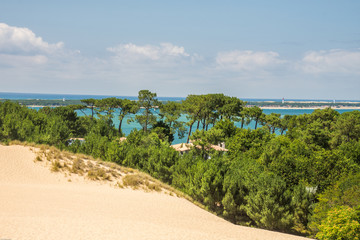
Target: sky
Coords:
[(300, 49)]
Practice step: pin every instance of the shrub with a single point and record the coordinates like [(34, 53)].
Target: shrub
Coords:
[(77, 165), (134, 181), (95, 174), (55, 166), (342, 223)]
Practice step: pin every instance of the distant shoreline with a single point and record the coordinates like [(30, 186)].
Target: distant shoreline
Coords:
[(262, 107), (287, 105), (309, 108)]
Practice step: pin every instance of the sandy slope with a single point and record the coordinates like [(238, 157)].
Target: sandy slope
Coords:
[(38, 204)]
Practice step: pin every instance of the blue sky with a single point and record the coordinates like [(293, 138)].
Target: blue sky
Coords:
[(250, 49)]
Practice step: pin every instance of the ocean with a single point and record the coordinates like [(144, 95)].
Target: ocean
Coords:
[(127, 127), (43, 96), (8, 95)]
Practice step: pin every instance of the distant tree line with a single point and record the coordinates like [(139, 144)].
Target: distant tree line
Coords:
[(44, 102), (295, 104), (303, 180), (302, 104)]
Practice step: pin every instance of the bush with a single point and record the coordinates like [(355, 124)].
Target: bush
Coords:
[(55, 166), (342, 223), (345, 192), (95, 174), (133, 181)]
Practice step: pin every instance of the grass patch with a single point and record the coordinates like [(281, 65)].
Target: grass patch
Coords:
[(114, 173), (55, 166), (119, 185), (66, 154), (134, 181), (90, 164), (77, 166), (96, 174), (153, 186)]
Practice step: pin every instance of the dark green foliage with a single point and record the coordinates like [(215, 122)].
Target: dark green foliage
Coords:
[(147, 101), (346, 128), (227, 127), (279, 182), (163, 130), (170, 113), (345, 192), (268, 202), (236, 187), (302, 207), (351, 150), (248, 140), (342, 222)]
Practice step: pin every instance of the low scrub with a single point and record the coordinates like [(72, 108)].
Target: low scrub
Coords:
[(134, 181), (96, 174), (55, 166)]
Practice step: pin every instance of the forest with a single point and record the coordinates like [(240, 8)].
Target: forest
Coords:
[(273, 104), (297, 174)]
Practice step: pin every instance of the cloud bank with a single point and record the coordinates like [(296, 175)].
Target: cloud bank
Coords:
[(247, 60), (331, 61), (22, 40), (21, 47), (132, 53), (30, 64)]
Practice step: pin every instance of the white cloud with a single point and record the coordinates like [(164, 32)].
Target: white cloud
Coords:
[(16, 40), (131, 52), (19, 60), (28, 63), (331, 61), (247, 60)]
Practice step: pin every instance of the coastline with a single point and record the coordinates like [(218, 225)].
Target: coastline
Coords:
[(262, 107), (310, 108)]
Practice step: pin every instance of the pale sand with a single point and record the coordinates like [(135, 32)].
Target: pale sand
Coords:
[(38, 204), (311, 108)]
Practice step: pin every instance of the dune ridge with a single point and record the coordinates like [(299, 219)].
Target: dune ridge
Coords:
[(36, 203)]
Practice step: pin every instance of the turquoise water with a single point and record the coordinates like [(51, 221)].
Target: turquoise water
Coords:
[(10, 95), (127, 127)]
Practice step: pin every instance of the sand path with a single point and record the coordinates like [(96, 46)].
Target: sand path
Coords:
[(38, 204)]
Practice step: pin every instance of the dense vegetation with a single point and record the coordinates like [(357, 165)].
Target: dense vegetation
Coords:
[(286, 104), (305, 104), (44, 102), (303, 180)]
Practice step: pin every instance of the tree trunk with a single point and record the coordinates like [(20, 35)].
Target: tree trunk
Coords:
[(198, 125), (146, 121), (120, 126), (242, 122), (188, 138), (256, 122)]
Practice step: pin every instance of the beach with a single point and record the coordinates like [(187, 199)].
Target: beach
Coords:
[(36, 203), (308, 108)]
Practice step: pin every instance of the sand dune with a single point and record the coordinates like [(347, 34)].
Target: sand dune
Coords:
[(38, 204)]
